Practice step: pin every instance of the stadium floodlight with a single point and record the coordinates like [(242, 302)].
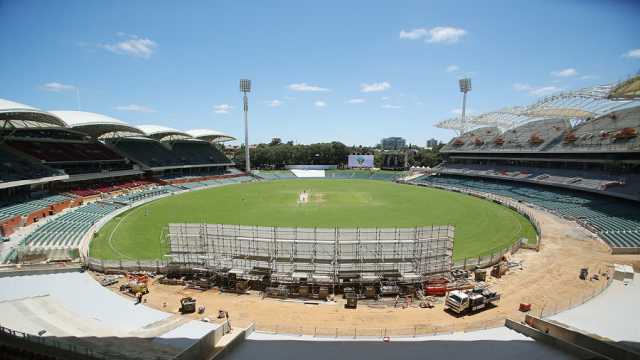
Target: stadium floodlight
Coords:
[(245, 87), (465, 87)]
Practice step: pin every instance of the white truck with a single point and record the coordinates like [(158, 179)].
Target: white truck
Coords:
[(461, 302)]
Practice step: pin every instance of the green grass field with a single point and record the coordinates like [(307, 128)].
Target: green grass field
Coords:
[(481, 226)]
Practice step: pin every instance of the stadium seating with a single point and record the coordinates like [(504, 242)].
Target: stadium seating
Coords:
[(147, 151), (29, 206), (617, 131), (66, 231), (63, 151), (275, 174), (15, 168), (192, 152), (135, 196), (72, 157), (532, 136), (591, 180), (153, 153), (616, 221), (363, 174)]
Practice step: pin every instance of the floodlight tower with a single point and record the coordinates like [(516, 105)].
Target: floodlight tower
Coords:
[(245, 87), (465, 87)]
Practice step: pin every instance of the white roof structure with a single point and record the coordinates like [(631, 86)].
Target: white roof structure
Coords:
[(159, 132), (21, 115), (210, 135), (95, 125), (576, 105)]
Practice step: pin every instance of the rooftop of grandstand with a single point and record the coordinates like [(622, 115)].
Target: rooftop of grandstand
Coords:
[(629, 89), (161, 133), (95, 125), (570, 105), (20, 115), (210, 135)]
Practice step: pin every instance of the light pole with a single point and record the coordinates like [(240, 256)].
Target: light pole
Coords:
[(465, 87), (245, 87)]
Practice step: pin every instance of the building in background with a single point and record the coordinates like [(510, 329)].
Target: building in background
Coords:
[(393, 143), (432, 143)]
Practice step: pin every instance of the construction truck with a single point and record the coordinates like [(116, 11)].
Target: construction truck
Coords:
[(463, 302), (187, 305)]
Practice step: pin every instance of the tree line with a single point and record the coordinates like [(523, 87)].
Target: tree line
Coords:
[(278, 154)]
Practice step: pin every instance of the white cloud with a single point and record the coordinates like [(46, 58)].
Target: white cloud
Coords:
[(446, 34), (222, 108), (413, 34), (273, 103), (304, 87), (521, 87), (385, 98), (374, 87), (57, 87), (320, 104), (439, 34), (588, 77), (632, 54), (544, 90), (135, 108), (452, 68), (133, 46), (389, 106), (535, 90), (355, 101), (569, 72)]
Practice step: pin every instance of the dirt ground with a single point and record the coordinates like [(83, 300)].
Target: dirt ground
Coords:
[(548, 280)]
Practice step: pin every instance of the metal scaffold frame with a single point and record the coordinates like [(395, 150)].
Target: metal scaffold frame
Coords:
[(407, 252)]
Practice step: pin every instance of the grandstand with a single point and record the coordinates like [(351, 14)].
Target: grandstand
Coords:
[(617, 222), (584, 140)]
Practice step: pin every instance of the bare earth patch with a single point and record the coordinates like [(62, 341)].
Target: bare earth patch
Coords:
[(548, 280)]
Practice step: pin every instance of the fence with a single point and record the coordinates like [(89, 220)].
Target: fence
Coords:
[(54, 346)]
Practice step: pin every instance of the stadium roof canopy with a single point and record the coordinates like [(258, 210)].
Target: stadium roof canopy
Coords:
[(577, 105), (209, 135), (13, 114), (161, 133), (96, 125), (629, 89)]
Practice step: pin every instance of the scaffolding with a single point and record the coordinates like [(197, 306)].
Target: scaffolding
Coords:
[(313, 252)]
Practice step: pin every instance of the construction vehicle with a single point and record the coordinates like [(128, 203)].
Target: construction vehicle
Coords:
[(352, 300), (187, 305), (133, 288), (462, 302), (584, 273)]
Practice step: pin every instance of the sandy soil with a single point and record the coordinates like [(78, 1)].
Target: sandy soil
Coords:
[(548, 280)]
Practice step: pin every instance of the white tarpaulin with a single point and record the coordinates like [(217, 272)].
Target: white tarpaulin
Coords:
[(308, 173)]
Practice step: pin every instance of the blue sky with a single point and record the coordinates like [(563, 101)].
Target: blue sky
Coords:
[(352, 71)]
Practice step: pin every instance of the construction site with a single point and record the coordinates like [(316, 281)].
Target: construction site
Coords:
[(310, 262)]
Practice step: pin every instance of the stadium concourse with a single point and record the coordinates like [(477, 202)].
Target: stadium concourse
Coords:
[(570, 160)]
